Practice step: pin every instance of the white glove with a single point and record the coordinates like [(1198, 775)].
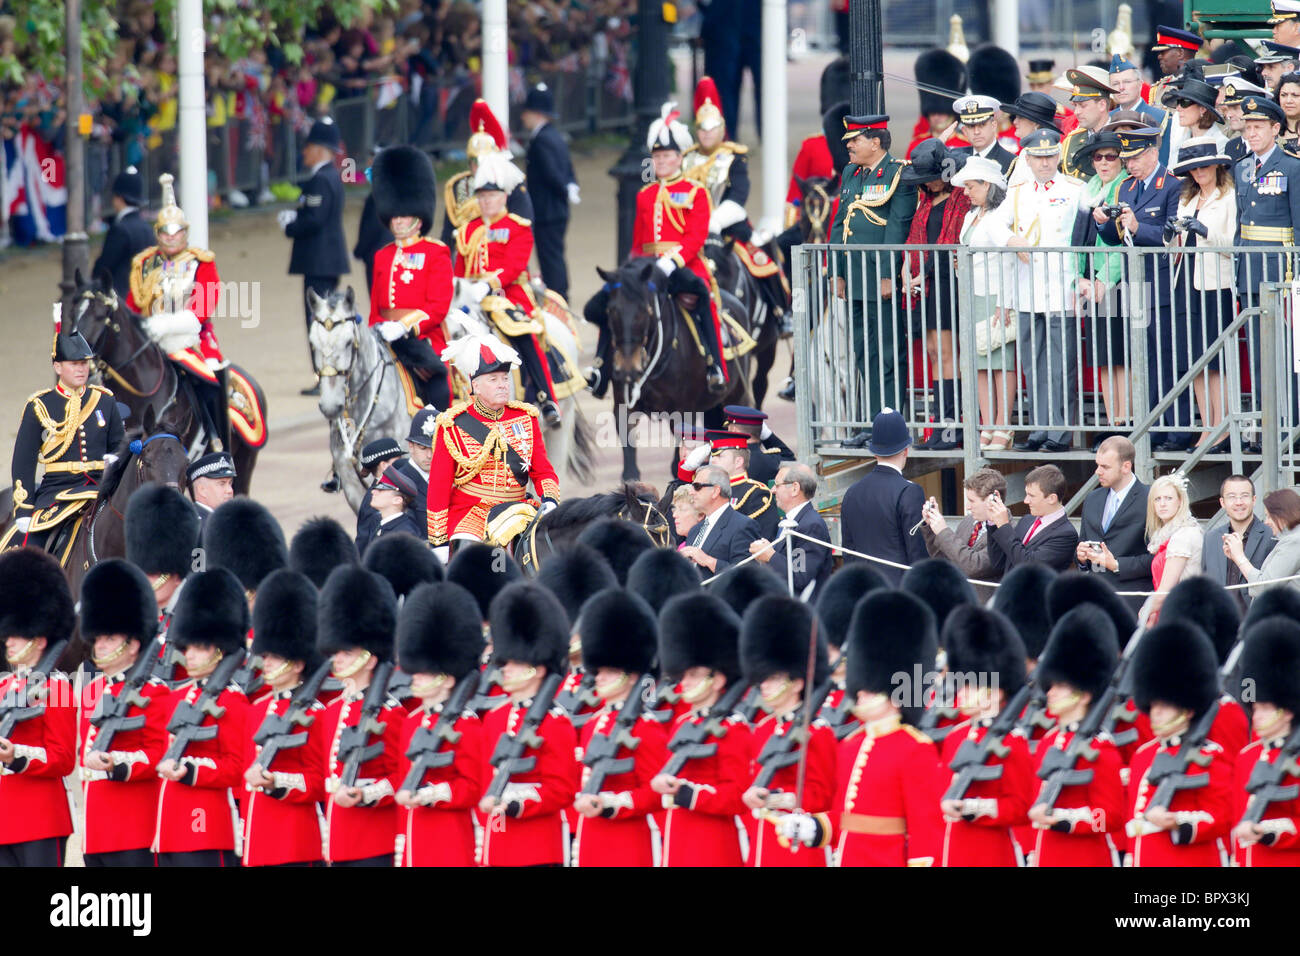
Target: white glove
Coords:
[(574, 198), (666, 265), (391, 331), (443, 553), (728, 213), (433, 793), (478, 291), (109, 459), (761, 237), (548, 507), (22, 523), (286, 216), (697, 458), (798, 828), (765, 433)]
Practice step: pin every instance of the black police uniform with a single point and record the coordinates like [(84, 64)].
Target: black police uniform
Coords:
[(128, 235), (218, 464), (320, 250), (550, 170)]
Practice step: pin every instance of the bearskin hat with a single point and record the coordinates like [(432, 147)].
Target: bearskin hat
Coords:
[(621, 543), (1175, 663), (35, 600), (940, 585), (1274, 602), (211, 610), (1082, 651), (528, 625), (284, 618), (1271, 658), (661, 573), (403, 183), (440, 631), (116, 598), (892, 633), (699, 630), (483, 571), (836, 84), (979, 642), (994, 72), (162, 531), (940, 69), (356, 608), (243, 537), (1022, 599), (841, 594), (319, 547), (833, 130), (774, 635), (1073, 588), (405, 561), (619, 629), (740, 587), (574, 575), (1201, 601)]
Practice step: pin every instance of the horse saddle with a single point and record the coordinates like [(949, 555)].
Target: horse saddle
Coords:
[(64, 515), (508, 318), (245, 409), (507, 521)]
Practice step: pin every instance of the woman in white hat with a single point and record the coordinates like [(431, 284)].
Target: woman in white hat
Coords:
[(986, 187)]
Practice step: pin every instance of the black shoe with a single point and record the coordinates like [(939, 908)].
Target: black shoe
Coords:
[(943, 437), (1056, 446), (1222, 448), (1103, 436), (717, 381), (550, 414), (1172, 446), (314, 391), (1029, 444), (787, 391), (859, 440), (331, 484)]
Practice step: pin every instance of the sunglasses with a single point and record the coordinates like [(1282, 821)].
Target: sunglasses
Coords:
[(701, 485), (1105, 157)]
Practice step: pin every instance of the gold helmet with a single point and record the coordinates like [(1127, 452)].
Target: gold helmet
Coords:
[(487, 136), (708, 114), (171, 219)]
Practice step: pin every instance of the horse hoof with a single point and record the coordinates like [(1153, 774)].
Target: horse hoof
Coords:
[(330, 485)]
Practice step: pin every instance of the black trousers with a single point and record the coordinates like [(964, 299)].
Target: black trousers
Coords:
[(321, 285), (549, 237), (140, 857), (222, 858), (47, 852), (384, 859)]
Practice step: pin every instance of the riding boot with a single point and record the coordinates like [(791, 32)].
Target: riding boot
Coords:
[(596, 312), (535, 389), (703, 316)]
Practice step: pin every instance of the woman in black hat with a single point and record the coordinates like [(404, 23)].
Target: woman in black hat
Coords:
[(1288, 97), (927, 279), (1194, 105)]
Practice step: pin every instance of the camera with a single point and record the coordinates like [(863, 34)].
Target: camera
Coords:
[(1094, 547), (1113, 210)]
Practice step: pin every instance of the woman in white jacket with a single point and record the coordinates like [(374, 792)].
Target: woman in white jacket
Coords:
[(1203, 281)]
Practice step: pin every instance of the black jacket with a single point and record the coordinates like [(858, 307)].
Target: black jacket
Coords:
[(1053, 545), (876, 515), (728, 540), (550, 170), (1126, 538), (815, 566), (319, 247), (373, 531), (126, 236)]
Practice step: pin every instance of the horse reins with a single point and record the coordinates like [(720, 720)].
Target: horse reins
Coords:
[(328, 371), (136, 448)]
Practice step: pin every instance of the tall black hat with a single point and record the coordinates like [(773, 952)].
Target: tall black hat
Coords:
[(211, 610), (620, 630), (405, 561), (162, 531), (621, 542), (1022, 598), (939, 69), (440, 631), (981, 643), (1175, 663), (661, 573), (574, 575), (320, 546), (940, 585), (699, 630), (774, 636), (841, 594), (404, 183), (356, 608), (34, 597), (1082, 651), (483, 571), (528, 625), (243, 536), (284, 618), (892, 635), (116, 598), (1271, 659)]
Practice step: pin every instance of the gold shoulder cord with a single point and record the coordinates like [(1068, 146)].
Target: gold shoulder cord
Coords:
[(61, 433), (676, 217), (467, 466), (868, 206)]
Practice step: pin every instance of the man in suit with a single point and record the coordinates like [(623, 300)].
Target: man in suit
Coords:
[(1044, 536), (968, 545), (128, 234), (976, 114), (212, 484), (1126, 80), (552, 184), (794, 488), (1237, 498), (1114, 518), (722, 538), (875, 208), (320, 251), (881, 508)]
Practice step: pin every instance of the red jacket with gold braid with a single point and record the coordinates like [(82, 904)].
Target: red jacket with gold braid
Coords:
[(145, 297), (498, 252), (33, 799), (1202, 814), (368, 829), (1281, 822), (1002, 804), (672, 219), (414, 276), (467, 477), (768, 848), (1093, 811)]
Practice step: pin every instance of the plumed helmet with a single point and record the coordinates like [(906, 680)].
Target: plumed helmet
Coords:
[(668, 132), (708, 105), (486, 134)]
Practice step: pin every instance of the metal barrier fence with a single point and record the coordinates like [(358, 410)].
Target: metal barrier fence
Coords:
[(987, 347)]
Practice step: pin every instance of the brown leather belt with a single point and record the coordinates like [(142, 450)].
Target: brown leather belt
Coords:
[(660, 248), (874, 826)]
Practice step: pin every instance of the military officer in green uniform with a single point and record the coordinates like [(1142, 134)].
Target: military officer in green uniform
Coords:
[(1090, 98), (70, 431), (875, 208)]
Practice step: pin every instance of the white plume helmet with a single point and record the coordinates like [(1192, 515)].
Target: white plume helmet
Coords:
[(496, 170), (474, 352), (667, 132)]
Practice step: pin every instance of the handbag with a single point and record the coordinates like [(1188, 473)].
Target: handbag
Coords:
[(991, 335)]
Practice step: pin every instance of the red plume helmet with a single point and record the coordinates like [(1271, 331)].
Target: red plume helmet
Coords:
[(486, 134), (708, 104)]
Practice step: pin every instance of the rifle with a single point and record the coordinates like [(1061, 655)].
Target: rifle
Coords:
[(664, 703), (930, 717), (426, 742), (249, 677), (1035, 715), (399, 685), (1124, 691), (482, 700), (751, 705), (688, 742), (783, 750), (186, 724), (280, 732), (354, 746), (508, 758), (111, 718), (1265, 784), (970, 762), (570, 701), (603, 748), (19, 705)]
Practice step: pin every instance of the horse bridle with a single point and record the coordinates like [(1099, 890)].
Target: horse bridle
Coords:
[(656, 531), (659, 531), (816, 222), (329, 371), (136, 448)]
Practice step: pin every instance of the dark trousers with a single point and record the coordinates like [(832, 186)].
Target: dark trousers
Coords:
[(322, 286), (1167, 360), (384, 859), (549, 237), (47, 852), (140, 857), (722, 62), (222, 858), (876, 351)]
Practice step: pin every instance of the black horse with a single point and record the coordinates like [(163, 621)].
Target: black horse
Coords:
[(658, 365), (766, 302), (559, 528)]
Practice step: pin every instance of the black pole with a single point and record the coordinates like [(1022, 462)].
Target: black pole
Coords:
[(76, 256), (866, 57), (650, 90)]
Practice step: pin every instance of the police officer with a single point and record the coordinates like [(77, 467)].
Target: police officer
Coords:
[(392, 496), (128, 235), (375, 458), (552, 185), (875, 208), (976, 114), (419, 449), (1091, 96), (320, 251), (72, 430), (212, 484), (766, 451)]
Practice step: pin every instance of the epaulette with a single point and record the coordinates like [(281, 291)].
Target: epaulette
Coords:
[(36, 395), (1292, 151), (1253, 743), (524, 406), (917, 735), (770, 451), (436, 242), (693, 148), (203, 255), (1072, 179), (736, 148), (446, 418), (519, 219), (101, 388)]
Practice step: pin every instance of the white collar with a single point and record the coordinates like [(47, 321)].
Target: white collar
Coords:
[(796, 509)]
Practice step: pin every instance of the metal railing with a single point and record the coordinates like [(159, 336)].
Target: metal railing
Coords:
[(1157, 344)]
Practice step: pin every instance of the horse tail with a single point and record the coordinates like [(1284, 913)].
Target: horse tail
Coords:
[(582, 463)]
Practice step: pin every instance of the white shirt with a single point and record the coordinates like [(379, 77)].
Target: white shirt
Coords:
[(795, 510), (319, 166), (1042, 215), (418, 470)]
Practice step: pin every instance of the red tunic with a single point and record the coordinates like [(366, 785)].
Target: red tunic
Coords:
[(818, 791), (121, 805), (889, 787), (1096, 809), (414, 274), (205, 293), (1205, 813), (708, 833), (537, 836), (443, 834), (201, 815), (987, 840), (627, 838), (1281, 819), (362, 832), (282, 825), (33, 799), (1231, 728), (498, 253), (814, 160), (1132, 718)]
